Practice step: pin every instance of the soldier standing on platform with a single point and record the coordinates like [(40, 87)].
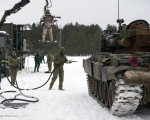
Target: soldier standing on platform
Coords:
[(47, 20)]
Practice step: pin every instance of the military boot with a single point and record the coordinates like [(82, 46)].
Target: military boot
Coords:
[(50, 88), (61, 89)]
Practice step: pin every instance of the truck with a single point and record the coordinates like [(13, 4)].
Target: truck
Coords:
[(11, 39)]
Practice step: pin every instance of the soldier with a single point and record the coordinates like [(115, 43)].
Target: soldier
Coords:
[(37, 60), (59, 60), (49, 61), (13, 66), (47, 26)]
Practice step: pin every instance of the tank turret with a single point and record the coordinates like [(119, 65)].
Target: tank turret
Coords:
[(130, 38)]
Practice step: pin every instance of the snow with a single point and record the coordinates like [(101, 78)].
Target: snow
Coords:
[(72, 104), (3, 32)]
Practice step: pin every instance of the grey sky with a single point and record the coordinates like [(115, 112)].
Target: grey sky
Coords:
[(101, 12)]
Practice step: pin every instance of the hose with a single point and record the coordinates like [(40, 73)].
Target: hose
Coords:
[(21, 93), (47, 4), (35, 87)]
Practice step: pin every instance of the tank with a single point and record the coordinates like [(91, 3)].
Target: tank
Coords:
[(119, 76)]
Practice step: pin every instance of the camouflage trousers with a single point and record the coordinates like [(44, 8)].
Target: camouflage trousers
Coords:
[(13, 74), (49, 66), (60, 72)]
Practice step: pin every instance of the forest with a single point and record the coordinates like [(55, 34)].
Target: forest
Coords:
[(77, 39)]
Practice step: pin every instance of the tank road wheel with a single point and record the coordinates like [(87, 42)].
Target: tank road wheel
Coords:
[(89, 83), (101, 91), (93, 85), (98, 94), (106, 93), (111, 93), (95, 88)]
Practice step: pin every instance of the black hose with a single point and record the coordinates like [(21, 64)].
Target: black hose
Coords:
[(14, 99), (17, 87), (35, 87)]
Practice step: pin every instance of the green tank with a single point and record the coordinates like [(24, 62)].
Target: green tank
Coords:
[(119, 76)]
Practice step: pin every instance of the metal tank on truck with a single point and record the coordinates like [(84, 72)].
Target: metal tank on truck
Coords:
[(119, 76), (12, 38)]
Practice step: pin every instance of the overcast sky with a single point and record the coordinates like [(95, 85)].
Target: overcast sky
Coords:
[(101, 12)]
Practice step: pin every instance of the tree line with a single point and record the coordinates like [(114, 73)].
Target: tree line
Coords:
[(78, 39)]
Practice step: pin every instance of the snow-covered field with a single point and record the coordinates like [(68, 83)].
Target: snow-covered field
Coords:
[(72, 104)]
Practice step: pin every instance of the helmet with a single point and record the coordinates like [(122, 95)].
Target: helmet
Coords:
[(61, 50), (13, 53), (50, 52)]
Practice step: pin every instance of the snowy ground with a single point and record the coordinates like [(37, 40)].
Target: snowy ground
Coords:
[(72, 104)]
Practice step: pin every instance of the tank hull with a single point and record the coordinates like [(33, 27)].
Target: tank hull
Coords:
[(115, 84)]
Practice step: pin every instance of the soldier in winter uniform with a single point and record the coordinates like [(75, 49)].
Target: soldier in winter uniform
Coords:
[(13, 66), (47, 26), (37, 60), (49, 61), (59, 60)]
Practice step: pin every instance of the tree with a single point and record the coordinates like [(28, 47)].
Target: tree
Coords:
[(111, 27), (77, 39)]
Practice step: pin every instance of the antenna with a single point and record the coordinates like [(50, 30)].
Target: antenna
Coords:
[(118, 9), (119, 21)]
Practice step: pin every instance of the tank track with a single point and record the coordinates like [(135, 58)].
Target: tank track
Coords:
[(127, 97)]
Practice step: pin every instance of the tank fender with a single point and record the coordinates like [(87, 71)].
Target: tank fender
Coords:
[(109, 75), (108, 72), (97, 70), (87, 65), (124, 68), (137, 77), (112, 70)]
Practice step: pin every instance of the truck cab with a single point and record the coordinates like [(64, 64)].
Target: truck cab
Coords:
[(4, 53)]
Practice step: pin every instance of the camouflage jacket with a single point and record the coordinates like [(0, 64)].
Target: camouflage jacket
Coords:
[(59, 59), (13, 62), (50, 58)]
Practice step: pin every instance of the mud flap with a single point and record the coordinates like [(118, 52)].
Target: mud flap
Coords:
[(137, 77), (87, 65)]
